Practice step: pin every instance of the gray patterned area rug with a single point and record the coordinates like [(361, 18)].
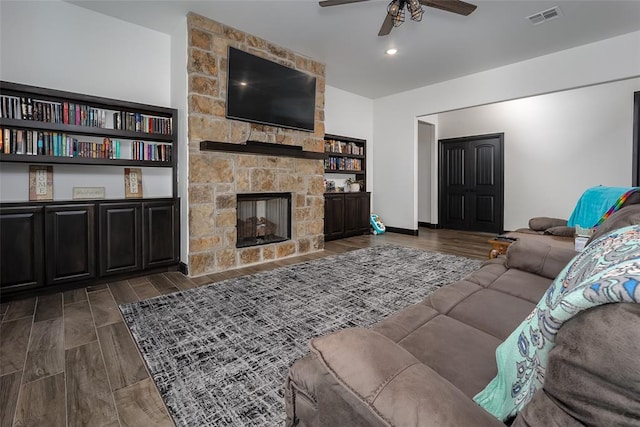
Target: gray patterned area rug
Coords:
[(219, 354)]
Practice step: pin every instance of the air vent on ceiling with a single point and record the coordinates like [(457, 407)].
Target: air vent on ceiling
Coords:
[(544, 16)]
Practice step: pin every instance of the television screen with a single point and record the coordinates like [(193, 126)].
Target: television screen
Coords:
[(262, 91)]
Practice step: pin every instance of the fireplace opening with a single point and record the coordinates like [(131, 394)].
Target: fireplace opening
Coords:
[(263, 218)]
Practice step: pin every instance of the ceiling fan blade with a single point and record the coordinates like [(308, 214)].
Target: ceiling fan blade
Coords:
[(387, 25), (453, 6), (326, 3)]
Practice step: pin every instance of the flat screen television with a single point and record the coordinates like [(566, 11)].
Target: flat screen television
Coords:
[(262, 91)]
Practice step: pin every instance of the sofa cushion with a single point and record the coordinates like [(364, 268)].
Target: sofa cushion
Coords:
[(542, 223), (493, 312), (404, 322), (447, 297), (393, 384), (561, 230), (460, 353), (522, 284), (490, 271)]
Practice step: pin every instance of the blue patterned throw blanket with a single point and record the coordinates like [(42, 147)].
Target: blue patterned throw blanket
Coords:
[(607, 271)]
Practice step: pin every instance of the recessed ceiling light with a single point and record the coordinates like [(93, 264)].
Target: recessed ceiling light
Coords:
[(391, 51)]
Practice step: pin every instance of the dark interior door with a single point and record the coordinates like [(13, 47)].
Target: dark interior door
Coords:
[(471, 183)]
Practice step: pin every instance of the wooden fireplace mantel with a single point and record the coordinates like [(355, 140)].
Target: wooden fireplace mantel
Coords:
[(262, 149)]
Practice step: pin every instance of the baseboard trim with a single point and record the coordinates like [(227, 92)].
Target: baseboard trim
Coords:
[(402, 231), (428, 225), (183, 268)]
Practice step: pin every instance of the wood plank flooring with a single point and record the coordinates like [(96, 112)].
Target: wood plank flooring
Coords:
[(68, 359)]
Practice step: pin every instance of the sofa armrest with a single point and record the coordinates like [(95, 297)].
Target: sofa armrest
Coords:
[(391, 383), (538, 258)]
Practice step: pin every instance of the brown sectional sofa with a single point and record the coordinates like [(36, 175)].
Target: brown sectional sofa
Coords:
[(423, 365)]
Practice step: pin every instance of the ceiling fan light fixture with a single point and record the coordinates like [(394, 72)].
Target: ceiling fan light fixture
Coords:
[(398, 19), (394, 8), (415, 9)]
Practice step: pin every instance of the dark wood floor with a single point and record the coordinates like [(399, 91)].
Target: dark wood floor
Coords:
[(68, 359)]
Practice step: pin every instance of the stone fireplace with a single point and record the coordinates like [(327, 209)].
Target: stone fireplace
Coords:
[(218, 179)]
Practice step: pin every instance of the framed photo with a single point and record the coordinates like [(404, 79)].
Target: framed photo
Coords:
[(132, 183), (40, 182)]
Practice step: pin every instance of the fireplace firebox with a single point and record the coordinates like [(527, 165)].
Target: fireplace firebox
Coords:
[(263, 218)]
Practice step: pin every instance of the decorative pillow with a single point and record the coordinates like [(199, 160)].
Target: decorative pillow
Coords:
[(561, 230), (541, 223)]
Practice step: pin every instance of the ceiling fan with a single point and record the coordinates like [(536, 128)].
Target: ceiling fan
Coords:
[(395, 10)]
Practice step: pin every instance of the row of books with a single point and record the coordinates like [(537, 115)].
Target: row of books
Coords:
[(142, 123), (141, 150), (333, 146), (24, 108), (34, 143), (343, 164)]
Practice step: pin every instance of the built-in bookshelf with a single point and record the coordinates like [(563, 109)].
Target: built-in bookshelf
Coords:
[(346, 155), (39, 125), (65, 242)]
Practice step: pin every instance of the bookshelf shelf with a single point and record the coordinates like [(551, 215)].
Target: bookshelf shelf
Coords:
[(346, 155), (84, 130), (23, 158), (74, 243)]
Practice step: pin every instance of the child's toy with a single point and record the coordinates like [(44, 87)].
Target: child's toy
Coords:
[(376, 223)]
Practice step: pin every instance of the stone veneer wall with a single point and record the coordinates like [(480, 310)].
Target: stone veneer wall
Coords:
[(216, 177)]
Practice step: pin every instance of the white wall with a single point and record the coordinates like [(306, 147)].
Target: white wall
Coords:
[(347, 114), (60, 46), (555, 145), (395, 117)]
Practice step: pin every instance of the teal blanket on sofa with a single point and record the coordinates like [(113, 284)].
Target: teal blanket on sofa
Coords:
[(594, 203), (607, 271)]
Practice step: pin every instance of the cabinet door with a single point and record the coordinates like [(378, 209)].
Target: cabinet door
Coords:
[(21, 248), (333, 216), (70, 242), (120, 237), (356, 215), (161, 235)]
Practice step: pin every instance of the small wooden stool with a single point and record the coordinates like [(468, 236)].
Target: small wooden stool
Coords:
[(498, 247)]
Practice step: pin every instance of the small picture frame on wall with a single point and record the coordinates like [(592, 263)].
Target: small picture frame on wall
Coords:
[(132, 183), (40, 182), (88, 193)]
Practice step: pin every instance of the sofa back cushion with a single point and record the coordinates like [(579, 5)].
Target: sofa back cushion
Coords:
[(628, 215), (536, 257)]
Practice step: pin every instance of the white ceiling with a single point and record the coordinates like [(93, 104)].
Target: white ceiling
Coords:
[(441, 47)]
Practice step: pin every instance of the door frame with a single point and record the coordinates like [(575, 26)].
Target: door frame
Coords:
[(635, 179), (500, 137)]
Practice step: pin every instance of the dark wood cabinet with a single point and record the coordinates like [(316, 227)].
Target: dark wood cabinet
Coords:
[(346, 214), (356, 213), (80, 243), (161, 236), (21, 248), (70, 243), (333, 216), (120, 237)]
